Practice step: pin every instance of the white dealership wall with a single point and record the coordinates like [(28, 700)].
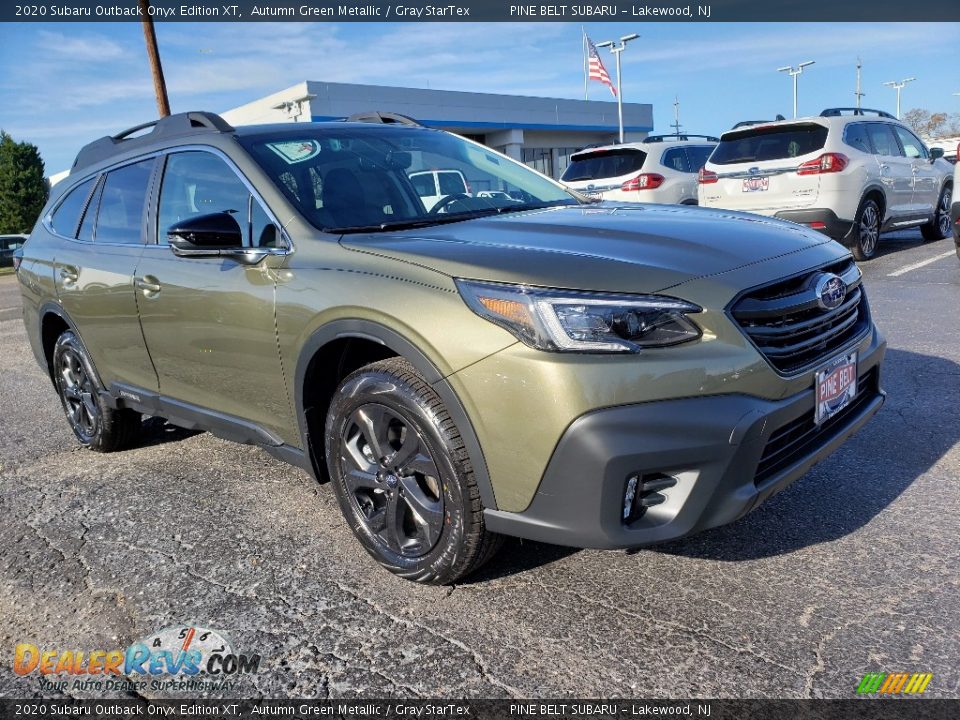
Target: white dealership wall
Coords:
[(537, 130)]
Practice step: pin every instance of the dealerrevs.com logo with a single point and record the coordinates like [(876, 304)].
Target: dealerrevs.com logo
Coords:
[(894, 683), (187, 658)]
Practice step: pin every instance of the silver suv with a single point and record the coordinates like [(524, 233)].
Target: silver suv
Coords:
[(660, 169), (849, 173)]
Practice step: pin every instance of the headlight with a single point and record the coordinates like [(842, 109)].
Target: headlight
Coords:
[(568, 321)]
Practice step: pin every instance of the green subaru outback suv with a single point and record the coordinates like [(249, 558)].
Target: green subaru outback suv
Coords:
[(529, 362)]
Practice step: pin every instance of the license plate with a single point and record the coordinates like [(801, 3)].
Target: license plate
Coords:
[(836, 387), (756, 184)]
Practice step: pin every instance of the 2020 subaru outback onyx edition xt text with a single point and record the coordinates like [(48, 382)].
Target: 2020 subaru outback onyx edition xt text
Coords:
[(584, 373)]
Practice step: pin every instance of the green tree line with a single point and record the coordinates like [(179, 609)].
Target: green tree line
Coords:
[(23, 188)]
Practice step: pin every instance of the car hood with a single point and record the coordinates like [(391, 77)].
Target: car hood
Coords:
[(602, 247)]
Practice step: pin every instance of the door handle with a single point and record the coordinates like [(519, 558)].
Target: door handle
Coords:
[(148, 284), (884, 166), (69, 274)]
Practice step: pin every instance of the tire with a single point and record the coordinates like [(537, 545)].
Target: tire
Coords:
[(939, 226), (866, 230), (96, 425), (402, 476)]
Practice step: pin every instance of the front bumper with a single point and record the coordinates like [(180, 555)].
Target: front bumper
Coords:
[(821, 219), (727, 453)]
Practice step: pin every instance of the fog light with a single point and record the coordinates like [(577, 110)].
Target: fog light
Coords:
[(642, 492), (629, 496)]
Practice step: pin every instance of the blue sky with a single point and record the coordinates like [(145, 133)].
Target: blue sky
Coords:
[(62, 85)]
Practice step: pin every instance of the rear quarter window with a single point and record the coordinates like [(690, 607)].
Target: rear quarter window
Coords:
[(66, 217), (855, 135), (604, 164), (782, 142)]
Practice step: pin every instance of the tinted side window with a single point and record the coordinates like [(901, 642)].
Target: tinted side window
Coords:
[(67, 215), (451, 183), (423, 184), (912, 147), (855, 135), (697, 156), (90, 216), (675, 159), (124, 194), (881, 136), (199, 183)]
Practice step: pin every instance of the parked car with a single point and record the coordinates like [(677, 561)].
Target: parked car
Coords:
[(659, 169), (494, 194), (435, 185), (578, 372), (849, 173), (9, 244), (955, 208)]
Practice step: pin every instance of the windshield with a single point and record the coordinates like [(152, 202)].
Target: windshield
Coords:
[(603, 164), (352, 179), (769, 143)]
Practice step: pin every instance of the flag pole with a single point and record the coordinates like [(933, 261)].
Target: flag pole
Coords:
[(586, 76)]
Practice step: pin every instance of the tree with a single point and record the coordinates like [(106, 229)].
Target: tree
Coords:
[(932, 125), (23, 188)]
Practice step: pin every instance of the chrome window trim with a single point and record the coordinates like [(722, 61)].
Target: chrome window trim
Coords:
[(288, 250)]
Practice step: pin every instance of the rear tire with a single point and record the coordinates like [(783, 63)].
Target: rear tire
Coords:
[(402, 475), (939, 226), (866, 230), (96, 425)]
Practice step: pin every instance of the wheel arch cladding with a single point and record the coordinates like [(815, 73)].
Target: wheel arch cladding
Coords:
[(53, 323), (342, 346)]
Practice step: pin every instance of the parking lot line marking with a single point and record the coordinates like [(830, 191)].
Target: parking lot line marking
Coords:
[(917, 266)]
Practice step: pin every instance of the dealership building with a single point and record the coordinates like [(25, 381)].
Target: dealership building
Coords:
[(541, 132)]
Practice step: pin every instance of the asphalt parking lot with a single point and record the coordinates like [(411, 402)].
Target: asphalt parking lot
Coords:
[(855, 568)]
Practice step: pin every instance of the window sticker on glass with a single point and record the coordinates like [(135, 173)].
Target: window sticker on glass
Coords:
[(296, 151)]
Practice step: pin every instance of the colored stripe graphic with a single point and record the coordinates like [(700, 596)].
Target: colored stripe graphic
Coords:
[(894, 683)]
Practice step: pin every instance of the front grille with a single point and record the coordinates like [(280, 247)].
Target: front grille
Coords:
[(798, 438), (786, 322)]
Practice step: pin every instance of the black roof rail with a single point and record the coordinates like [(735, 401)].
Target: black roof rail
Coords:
[(838, 111), (680, 136), (188, 123), (383, 118)]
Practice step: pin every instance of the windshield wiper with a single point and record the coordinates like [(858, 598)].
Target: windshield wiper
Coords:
[(399, 224)]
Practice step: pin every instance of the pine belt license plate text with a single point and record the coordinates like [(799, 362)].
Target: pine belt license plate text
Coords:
[(756, 184), (836, 387)]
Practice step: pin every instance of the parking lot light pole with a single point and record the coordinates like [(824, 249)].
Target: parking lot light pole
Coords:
[(795, 72), (898, 85), (616, 50)]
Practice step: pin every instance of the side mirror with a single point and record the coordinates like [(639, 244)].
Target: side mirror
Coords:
[(206, 235), (936, 153)]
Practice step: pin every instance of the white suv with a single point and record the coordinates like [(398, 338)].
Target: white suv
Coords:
[(660, 169), (850, 173)]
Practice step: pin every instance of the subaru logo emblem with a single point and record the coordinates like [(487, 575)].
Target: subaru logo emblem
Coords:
[(591, 186), (831, 291), (753, 170)]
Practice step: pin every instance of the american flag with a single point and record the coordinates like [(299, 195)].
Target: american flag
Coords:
[(596, 69)]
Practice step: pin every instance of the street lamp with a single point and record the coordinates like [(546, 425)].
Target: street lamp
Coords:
[(898, 85), (795, 72), (616, 50)]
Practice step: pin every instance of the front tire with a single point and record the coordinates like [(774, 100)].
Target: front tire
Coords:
[(402, 475), (96, 425), (939, 226), (866, 230)]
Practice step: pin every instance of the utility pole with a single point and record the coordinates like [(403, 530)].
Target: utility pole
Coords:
[(898, 85), (616, 50), (153, 54), (676, 116), (795, 72), (858, 93)]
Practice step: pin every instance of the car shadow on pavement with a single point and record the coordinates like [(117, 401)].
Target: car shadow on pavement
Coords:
[(157, 431), (848, 489), (518, 556)]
